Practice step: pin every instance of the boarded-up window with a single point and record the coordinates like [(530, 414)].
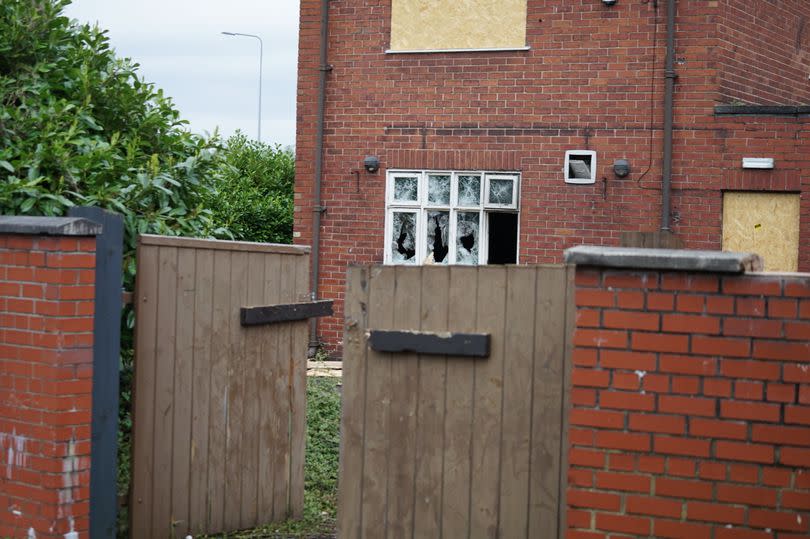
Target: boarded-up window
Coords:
[(763, 223), (425, 25)]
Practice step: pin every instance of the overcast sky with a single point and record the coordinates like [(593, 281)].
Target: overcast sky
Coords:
[(212, 78)]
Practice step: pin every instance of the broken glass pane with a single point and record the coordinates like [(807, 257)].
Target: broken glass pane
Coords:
[(467, 237), (438, 230), (406, 189), (439, 190), (403, 238), (501, 191), (469, 190)]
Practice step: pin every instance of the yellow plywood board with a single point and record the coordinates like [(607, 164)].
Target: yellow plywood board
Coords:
[(763, 223), (420, 25)]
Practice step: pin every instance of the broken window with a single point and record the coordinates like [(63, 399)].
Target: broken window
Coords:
[(406, 189), (403, 238), (503, 236), (469, 191), (467, 237), (439, 190), (501, 191), (438, 231), (439, 217)]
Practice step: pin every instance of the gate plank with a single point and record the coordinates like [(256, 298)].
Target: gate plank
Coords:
[(218, 411), (378, 400), (550, 327), (201, 396), (253, 364), (352, 421), (164, 391), (236, 393), (281, 398), (404, 377), (458, 426), (298, 397), (267, 425), (182, 392), (517, 393), (487, 405), (430, 408), (146, 305)]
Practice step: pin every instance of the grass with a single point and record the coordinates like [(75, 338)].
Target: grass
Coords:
[(320, 469)]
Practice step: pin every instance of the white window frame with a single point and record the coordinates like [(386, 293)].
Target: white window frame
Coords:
[(580, 153), (422, 206)]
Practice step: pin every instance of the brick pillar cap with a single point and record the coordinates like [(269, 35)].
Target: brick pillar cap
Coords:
[(664, 259), (48, 226)]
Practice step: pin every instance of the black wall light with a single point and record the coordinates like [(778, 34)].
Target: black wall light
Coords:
[(609, 2), (621, 167), (371, 164)]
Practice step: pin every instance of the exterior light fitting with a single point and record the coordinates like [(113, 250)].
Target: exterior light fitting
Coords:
[(371, 164)]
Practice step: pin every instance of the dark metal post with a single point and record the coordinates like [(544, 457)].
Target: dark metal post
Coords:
[(317, 208), (106, 359), (669, 111)]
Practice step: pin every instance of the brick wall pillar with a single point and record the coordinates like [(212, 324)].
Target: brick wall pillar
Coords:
[(691, 398), (47, 268)]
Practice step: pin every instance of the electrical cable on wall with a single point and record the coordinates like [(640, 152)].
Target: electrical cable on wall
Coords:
[(652, 100)]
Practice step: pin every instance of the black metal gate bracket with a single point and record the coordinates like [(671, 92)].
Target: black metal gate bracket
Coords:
[(432, 343), (288, 312)]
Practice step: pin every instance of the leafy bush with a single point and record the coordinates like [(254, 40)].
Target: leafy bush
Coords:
[(79, 127), (253, 191)]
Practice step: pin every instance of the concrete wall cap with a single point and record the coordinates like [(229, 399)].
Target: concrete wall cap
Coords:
[(664, 259), (48, 226)]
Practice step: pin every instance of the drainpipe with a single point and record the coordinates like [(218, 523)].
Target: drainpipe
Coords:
[(317, 208), (669, 109)]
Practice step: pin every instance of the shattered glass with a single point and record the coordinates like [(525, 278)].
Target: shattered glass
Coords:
[(403, 238), (501, 191), (406, 189), (438, 230), (469, 190), (439, 190), (467, 237)]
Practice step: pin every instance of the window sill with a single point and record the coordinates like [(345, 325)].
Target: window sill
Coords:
[(433, 51)]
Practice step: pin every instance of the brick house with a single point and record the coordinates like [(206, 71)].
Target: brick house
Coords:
[(507, 131)]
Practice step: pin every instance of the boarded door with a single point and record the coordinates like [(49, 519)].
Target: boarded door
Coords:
[(440, 446), (763, 223), (219, 408)]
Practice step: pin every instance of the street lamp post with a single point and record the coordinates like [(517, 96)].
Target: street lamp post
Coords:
[(261, 54)]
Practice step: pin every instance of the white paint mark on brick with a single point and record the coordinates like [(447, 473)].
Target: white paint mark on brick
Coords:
[(15, 454)]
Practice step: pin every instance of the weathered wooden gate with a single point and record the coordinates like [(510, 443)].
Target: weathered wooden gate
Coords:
[(219, 412), (451, 446)]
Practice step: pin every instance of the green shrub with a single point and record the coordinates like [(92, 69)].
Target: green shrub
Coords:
[(253, 191)]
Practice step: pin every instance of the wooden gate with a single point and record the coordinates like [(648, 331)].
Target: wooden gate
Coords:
[(450, 446), (219, 412)]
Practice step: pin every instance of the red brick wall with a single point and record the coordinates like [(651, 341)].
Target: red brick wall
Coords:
[(690, 406), (521, 111), (765, 51), (46, 354)]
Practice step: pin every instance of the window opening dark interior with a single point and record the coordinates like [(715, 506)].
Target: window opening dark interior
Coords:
[(579, 166), (503, 236)]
